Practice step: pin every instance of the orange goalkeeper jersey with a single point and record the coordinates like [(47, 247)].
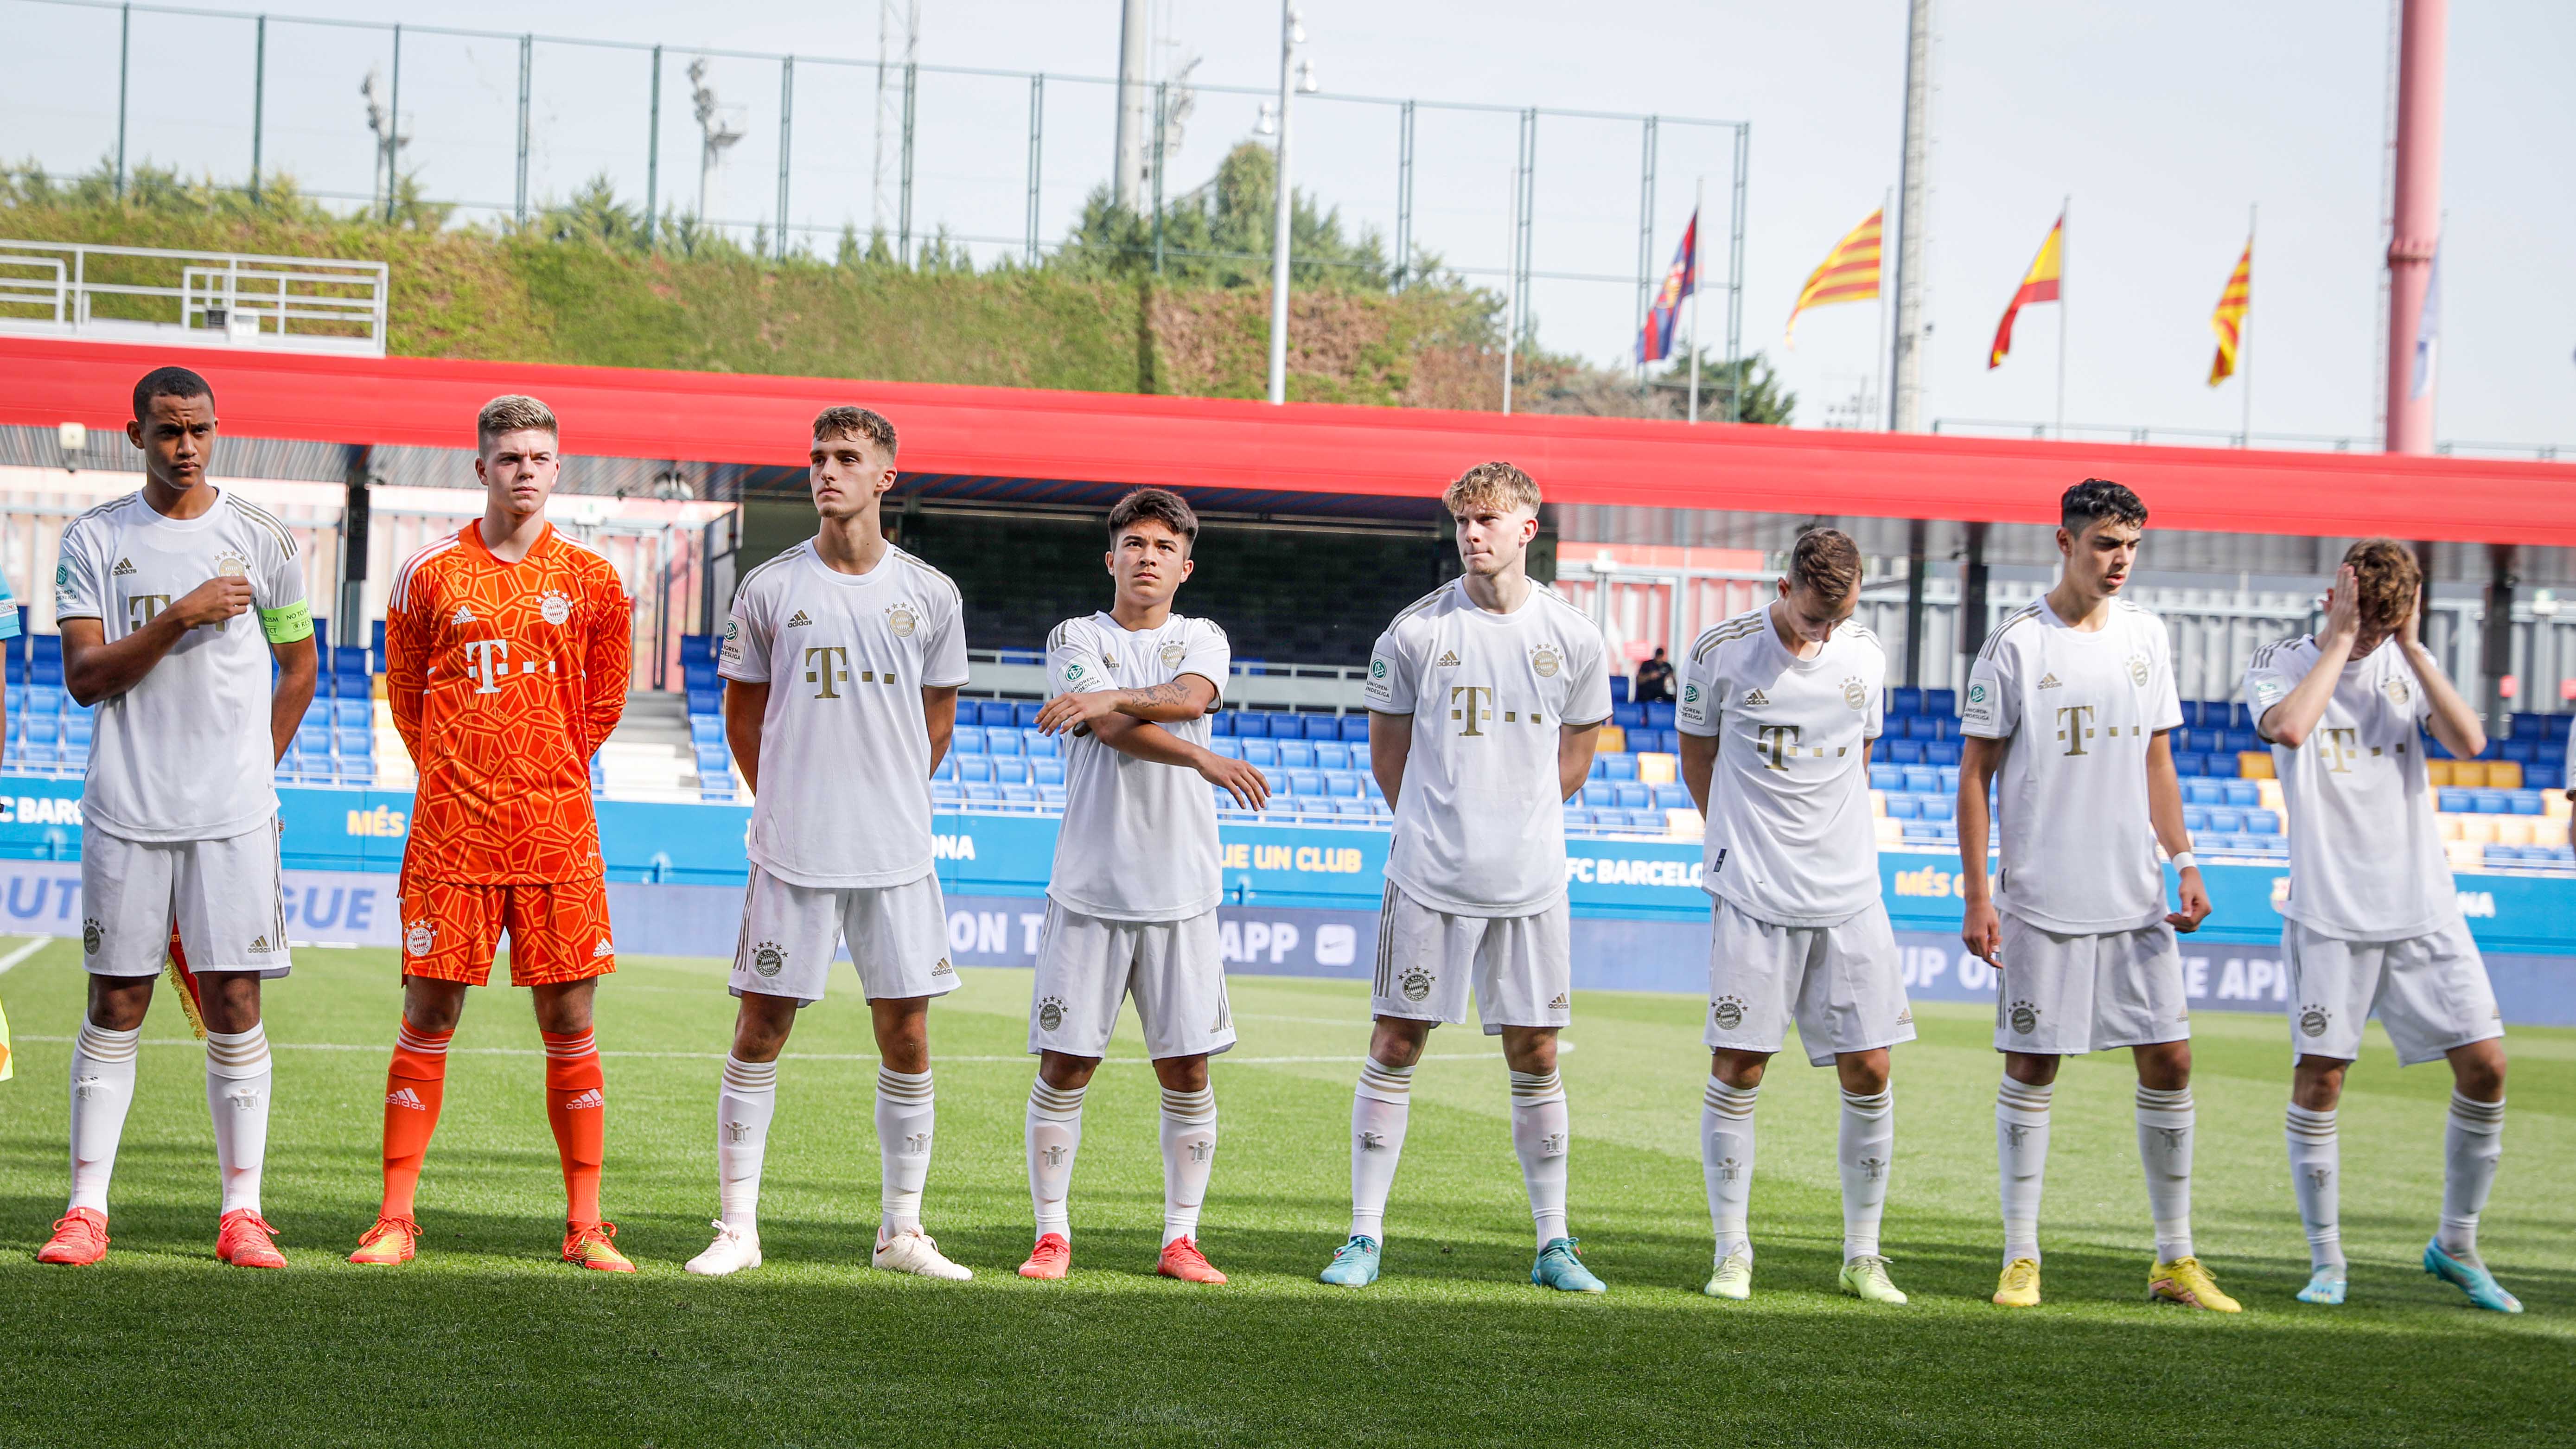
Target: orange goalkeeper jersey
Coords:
[(504, 679)]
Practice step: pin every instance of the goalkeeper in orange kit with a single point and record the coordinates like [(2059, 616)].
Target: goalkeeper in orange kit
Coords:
[(508, 651)]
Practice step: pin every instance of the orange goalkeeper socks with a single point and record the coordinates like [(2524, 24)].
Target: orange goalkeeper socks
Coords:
[(414, 1086), (577, 1107)]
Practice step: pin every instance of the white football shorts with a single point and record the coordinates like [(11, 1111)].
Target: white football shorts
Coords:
[(2430, 992), (226, 897), (1174, 969), (1842, 983), (1520, 967), (898, 938), (2063, 995)]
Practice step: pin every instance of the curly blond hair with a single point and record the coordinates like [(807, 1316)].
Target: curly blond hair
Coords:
[(1489, 485)]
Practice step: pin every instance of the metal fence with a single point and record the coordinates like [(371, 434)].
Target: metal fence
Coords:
[(2227, 438), (1519, 197), (146, 294)]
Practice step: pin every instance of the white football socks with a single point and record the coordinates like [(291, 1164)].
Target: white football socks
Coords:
[(905, 1114), (2472, 1145), (2021, 1157), (1541, 1134), (2316, 1162), (1051, 1136), (237, 1090), (1865, 1149), (745, 1103), (1379, 1107), (102, 1088), (1189, 1153), (2165, 1122), (1726, 1161)]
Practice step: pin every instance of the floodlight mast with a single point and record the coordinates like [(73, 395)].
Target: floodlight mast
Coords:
[(1293, 77)]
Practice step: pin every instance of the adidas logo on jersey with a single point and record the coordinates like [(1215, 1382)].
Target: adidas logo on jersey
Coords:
[(602, 949), (591, 1100), (798, 620), (1448, 659), (2048, 681), (1756, 698), (463, 615), (405, 1097), (124, 566), (259, 946)]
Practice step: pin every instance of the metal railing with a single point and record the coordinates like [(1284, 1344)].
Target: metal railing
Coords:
[(127, 294), (2236, 438)]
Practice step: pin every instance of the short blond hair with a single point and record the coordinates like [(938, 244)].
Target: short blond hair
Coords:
[(1490, 485), (1827, 561), (513, 413), (858, 423)]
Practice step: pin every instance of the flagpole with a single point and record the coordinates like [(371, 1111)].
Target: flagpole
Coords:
[(1511, 287), (1699, 199), (1887, 198), (2062, 209), (2245, 326)]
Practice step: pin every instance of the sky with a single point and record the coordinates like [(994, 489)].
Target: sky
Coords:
[(2156, 127)]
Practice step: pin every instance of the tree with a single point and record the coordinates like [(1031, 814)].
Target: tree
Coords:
[(1218, 234), (1763, 399)]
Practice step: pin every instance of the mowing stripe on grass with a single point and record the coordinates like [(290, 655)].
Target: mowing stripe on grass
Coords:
[(333, 1046)]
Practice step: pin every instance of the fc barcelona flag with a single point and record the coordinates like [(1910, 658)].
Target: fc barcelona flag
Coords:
[(1655, 342)]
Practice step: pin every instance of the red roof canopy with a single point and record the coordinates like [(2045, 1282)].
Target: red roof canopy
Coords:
[(1315, 448)]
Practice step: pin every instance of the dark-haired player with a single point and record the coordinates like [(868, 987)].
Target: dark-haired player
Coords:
[(841, 665), (155, 593), (2372, 922), (1778, 707), (1131, 901), (2069, 702)]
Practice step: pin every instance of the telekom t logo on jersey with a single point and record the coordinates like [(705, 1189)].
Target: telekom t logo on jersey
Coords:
[(2338, 745), (487, 663)]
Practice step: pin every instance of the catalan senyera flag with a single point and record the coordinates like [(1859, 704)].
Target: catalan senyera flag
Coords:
[(1849, 273), (2039, 284), (2229, 320), (1655, 339)]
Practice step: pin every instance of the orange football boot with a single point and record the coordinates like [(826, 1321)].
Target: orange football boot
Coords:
[(1049, 1259), (592, 1245), (245, 1240), (1183, 1260), (389, 1242), (80, 1237)]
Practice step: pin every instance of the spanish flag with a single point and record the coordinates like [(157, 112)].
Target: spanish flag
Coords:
[(2229, 320), (2037, 285), (1849, 273)]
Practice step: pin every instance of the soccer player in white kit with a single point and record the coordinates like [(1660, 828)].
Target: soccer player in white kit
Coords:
[(2070, 702), (2372, 921), (1131, 901), (1485, 700), (1778, 706), (842, 662), (154, 594)]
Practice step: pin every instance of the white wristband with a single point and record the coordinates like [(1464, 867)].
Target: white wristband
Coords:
[(2185, 861)]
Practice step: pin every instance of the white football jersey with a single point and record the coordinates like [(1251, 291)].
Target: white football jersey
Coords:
[(1138, 842), (1790, 837), (2079, 708), (2366, 858), (844, 795), (186, 754), (1480, 824)]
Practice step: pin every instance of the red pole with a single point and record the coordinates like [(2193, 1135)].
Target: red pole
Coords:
[(2419, 216)]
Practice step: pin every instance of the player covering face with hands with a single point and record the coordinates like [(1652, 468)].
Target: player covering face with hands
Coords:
[(2069, 707), (2372, 923), (1131, 902)]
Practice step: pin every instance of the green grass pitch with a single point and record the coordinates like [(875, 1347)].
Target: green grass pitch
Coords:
[(487, 1339)]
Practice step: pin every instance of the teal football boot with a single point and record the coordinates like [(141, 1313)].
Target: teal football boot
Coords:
[(2470, 1278), (1354, 1264), (1560, 1266)]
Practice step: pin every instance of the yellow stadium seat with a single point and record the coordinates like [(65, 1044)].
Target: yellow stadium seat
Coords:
[(2504, 774), (1878, 804), (2548, 832), (1614, 741), (2450, 826), (2478, 829), (2269, 792), (2514, 830), (2438, 773), (2469, 774), (1891, 833), (2466, 856), (1657, 769), (1684, 824), (2254, 764), (2556, 805)]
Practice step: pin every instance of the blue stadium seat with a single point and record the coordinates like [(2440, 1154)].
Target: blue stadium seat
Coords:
[(1920, 779), (1041, 747), (1904, 700), (967, 739), (1355, 727), (1226, 745), (1051, 796), (1047, 772), (2262, 822), (2521, 749), (1886, 777), (1631, 796), (1002, 740), (1659, 714), (1942, 702), (1024, 712), (1305, 782), (2203, 792), (1618, 766), (360, 744), (1221, 723), (2241, 794), (2546, 777), (1296, 754), (2190, 764), (46, 671), (1942, 752), (2490, 802), (1929, 834), (1673, 797), (1014, 769), (353, 714), (1950, 781), (1262, 752), (1019, 795), (1334, 755), (1937, 807), (1285, 725), (946, 769), (1905, 807), (944, 794), (2227, 822), (703, 701), (705, 729), (2194, 819), (972, 769), (981, 792), (1576, 817), (1250, 724), (1905, 752), (312, 739), (1598, 795), (1628, 716), (1342, 785), (46, 698), (1322, 727), (2517, 802)]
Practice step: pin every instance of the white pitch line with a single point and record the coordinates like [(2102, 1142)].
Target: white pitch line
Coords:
[(327, 1046), (23, 952)]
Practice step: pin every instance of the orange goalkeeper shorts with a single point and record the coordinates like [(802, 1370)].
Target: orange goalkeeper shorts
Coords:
[(558, 930)]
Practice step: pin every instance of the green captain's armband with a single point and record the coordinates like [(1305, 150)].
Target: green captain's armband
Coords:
[(286, 625)]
